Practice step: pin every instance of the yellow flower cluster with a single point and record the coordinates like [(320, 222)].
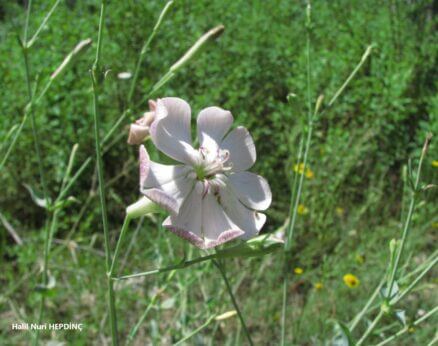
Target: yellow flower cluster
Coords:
[(351, 280), (298, 271), (299, 168), (435, 163), (319, 286)]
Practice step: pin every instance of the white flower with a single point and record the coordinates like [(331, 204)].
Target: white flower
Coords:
[(210, 196)]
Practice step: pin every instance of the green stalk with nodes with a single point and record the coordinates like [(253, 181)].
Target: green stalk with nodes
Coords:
[(303, 154), (389, 303)]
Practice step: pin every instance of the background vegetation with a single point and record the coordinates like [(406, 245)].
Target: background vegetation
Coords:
[(354, 200)]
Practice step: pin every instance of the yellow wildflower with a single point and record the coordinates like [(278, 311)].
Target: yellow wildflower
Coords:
[(340, 211), (298, 270), (351, 280), (411, 329), (309, 173), (302, 209), (299, 168), (435, 163), (319, 286)]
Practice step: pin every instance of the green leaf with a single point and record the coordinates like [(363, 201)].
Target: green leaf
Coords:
[(343, 336), (389, 295), (259, 246), (400, 315)]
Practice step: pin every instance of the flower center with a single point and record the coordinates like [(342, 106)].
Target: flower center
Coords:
[(211, 163)]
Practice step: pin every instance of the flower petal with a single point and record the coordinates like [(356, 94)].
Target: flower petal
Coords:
[(251, 189), (153, 174), (213, 123), (217, 227), (188, 222), (250, 221), (165, 185), (170, 131), (241, 147)]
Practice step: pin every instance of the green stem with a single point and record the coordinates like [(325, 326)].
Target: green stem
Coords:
[(14, 140), (407, 224), (362, 313), (196, 331), (370, 328), (34, 127), (292, 220), (40, 167), (415, 282), (178, 266), (134, 329), (100, 171), (221, 268), (119, 242), (145, 48), (406, 329), (42, 25), (351, 76), (26, 23)]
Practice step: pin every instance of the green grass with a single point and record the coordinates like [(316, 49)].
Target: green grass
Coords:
[(358, 151)]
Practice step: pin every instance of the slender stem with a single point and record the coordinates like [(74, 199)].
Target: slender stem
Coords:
[(26, 23), (370, 328), (181, 265), (40, 167), (43, 23), (87, 162), (196, 331), (34, 126), (134, 329), (351, 76), (406, 329), (119, 242), (292, 217), (71, 159), (145, 48), (415, 282), (14, 140), (407, 224), (221, 268), (362, 313), (100, 171), (283, 310), (406, 229)]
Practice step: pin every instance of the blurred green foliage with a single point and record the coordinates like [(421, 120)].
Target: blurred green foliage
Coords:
[(357, 154)]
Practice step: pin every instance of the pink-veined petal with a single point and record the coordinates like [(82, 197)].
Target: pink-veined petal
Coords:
[(251, 189), (166, 185), (213, 123), (241, 147), (153, 174), (250, 221), (170, 131), (217, 227)]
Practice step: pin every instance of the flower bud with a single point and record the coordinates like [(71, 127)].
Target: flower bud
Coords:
[(141, 208), (81, 46), (213, 33), (140, 129)]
